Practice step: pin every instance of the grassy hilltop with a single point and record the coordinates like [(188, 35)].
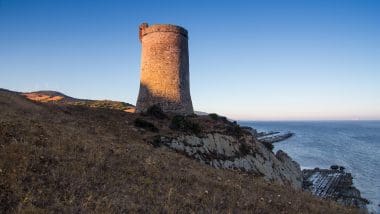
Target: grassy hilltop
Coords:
[(62, 157)]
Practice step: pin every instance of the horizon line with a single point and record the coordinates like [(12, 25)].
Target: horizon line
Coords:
[(309, 120)]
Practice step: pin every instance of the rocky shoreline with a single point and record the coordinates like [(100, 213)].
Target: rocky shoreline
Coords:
[(220, 151), (251, 151), (335, 184), (274, 137), (269, 137)]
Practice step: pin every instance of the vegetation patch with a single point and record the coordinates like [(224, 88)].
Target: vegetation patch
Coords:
[(141, 123), (235, 130), (184, 124), (156, 141), (215, 116), (268, 145), (8, 199), (107, 104), (244, 148)]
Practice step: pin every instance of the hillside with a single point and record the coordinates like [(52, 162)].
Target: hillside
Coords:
[(59, 98), (62, 157)]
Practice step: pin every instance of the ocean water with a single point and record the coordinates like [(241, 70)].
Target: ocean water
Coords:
[(352, 144)]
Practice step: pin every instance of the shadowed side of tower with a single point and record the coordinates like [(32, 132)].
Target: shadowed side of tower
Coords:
[(164, 69)]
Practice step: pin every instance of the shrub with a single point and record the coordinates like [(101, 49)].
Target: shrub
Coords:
[(156, 112), (156, 141), (213, 116), (235, 130), (244, 148), (141, 123), (218, 117), (178, 122), (182, 123), (268, 145), (224, 119)]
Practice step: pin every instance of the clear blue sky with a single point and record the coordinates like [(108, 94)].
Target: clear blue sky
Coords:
[(263, 60)]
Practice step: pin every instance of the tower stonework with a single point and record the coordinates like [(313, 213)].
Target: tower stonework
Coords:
[(164, 69)]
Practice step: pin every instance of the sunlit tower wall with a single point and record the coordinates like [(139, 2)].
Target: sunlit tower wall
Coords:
[(164, 69)]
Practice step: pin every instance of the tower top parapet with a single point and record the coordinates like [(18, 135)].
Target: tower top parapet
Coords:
[(145, 29)]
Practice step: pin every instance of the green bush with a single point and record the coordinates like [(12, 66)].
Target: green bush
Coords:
[(141, 123), (217, 117), (214, 116), (223, 118), (244, 148), (182, 123), (235, 130), (268, 145)]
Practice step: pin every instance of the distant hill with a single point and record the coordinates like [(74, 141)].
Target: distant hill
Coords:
[(57, 97), (49, 96)]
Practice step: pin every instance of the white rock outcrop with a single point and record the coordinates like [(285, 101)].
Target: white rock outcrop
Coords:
[(244, 153)]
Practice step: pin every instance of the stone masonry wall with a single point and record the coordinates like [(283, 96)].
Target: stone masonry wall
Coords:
[(164, 69)]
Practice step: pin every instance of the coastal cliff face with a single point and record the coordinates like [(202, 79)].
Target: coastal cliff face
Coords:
[(226, 152)]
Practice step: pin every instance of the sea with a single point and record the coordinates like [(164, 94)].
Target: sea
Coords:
[(352, 144)]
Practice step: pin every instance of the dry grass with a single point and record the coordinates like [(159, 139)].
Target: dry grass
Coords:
[(43, 98), (59, 98), (77, 159)]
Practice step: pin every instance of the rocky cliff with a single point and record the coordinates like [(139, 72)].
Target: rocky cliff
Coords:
[(245, 153), (334, 183)]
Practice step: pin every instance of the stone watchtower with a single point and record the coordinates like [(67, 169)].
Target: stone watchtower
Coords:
[(164, 69)]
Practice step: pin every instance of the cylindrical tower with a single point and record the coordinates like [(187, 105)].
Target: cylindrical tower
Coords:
[(164, 69)]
